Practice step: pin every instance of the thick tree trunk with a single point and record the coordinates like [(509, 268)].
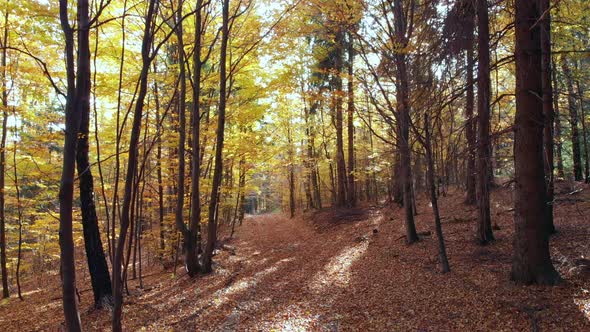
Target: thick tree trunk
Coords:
[(548, 111), (218, 170), (532, 261), (573, 110), (484, 223)]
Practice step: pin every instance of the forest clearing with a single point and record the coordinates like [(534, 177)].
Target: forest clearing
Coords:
[(295, 165)]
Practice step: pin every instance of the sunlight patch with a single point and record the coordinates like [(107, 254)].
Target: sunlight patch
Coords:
[(294, 319), (337, 272), (584, 303)]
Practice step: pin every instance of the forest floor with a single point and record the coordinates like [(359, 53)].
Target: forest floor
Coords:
[(350, 270)]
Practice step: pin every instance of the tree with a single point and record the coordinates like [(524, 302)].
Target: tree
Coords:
[(573, 120), (403, 114), (532, 261), (351, 162), (5, 292), (484, 233), (97, 264), (132, 165), (548, 111), (66, 191), (220, 134)]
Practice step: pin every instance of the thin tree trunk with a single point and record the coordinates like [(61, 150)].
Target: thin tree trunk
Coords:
[(218, 170), (351, 167), (484, 233), (131, 166), (179, 215), (584, 133), (442, 252), (194, 244), (337, 91), (573, 110), (162, 234), (548, 111), (66, 190), (97, 263), (20, 221), (404, 125), (532, 261), (557, 139), (115, 203), (291, 174), (5, 293), (470, 123)]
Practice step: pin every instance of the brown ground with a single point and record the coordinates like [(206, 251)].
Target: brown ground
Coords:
[(333, 273)]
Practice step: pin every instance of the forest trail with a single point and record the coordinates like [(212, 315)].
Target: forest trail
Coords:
[(350, 270)]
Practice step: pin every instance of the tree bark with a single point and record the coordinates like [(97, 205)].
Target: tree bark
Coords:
[(573, 110), (193, 247), (557, 139), (548, 111), (5, 293), (531, 261), (218, 170), (66, 190), (442, 252), (131, 167), (337, 91), (470, 124), (484, 233), (403, 119), (97, 263), (20, 221), (584, 133), (351, 164)]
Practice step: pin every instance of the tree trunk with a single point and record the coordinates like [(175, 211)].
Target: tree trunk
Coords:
[(218, 170), (66, 190), (20, 221), (162, 244), (5, 293), (97, 263), (403, 118), (573, 110), (193, 247), (584, 133), (131, 167), (548, 111), (337, 91), (484, 233), (442, 252), (557, 118), (470, 123), (532, 261), (351, 165)]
